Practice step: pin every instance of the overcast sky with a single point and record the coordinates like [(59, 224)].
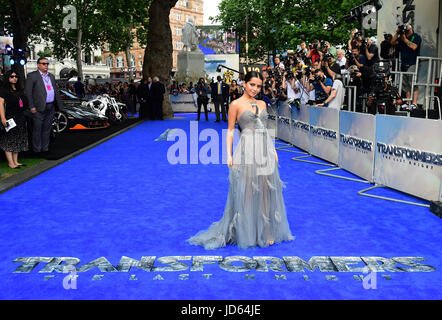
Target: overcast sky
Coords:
[(210, 10)]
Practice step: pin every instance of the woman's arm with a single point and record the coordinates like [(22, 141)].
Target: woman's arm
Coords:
[(233, 113), (2, 111)]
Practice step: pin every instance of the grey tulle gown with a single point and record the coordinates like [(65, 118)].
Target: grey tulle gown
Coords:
[(255, 212)]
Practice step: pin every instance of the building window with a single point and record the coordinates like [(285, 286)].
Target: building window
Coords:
[(110, 61), (133, 63), (120, 62), (197, 8), (178, 16), (177, 31)]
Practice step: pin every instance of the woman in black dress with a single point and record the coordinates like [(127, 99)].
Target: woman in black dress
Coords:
[(235, 92), (13, 102)]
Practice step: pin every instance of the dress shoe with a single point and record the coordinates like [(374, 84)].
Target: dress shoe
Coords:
[(217, 121)]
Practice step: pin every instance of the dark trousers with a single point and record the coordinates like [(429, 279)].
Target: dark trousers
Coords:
[(202, 101), (42, 127), (219, 101), (157, 108), (143, 110)]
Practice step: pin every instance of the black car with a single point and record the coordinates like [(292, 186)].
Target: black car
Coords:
[(73, 115)]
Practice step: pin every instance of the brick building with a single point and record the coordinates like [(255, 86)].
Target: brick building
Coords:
[(183, 11)]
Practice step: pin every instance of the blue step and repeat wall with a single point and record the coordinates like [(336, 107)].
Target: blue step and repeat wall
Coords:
[(402, 153)]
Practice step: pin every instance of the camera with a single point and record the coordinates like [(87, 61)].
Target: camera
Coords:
[(317, 79), (357, 35), (313, 45), (364, 43), (402, 29), (327, 57), (349, 56)]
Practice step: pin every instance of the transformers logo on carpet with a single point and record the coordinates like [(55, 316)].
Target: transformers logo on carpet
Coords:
[(229, 264)]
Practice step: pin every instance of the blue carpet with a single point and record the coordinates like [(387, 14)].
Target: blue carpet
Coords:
[(123, 198)]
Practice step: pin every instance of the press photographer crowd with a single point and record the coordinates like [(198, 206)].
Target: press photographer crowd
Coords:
[(316, 74)]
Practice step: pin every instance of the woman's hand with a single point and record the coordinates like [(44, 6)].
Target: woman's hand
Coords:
[(229, 161), (5, 124)]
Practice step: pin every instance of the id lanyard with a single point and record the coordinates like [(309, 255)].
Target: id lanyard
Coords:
[(47, 80)]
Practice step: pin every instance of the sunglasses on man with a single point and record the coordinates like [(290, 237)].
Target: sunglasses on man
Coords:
[(44, 63)]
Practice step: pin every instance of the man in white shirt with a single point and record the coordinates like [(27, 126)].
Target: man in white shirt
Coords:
[(336, 98), (342, 60)]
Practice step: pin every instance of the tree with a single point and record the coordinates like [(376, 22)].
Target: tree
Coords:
[(126, 21), (158, 54), (85, 36), (23, 18)]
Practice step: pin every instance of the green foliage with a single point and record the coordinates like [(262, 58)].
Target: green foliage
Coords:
[(278, 25), (125, 21)]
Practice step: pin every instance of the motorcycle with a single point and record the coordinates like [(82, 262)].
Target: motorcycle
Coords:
[(107, 106)]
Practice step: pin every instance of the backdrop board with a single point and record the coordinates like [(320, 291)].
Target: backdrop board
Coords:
[(357, 143), (409, 155), (324, 131), (301, 127), (183, 103), (284, 126)]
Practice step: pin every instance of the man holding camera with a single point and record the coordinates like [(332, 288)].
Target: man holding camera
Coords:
[(322, 85), (330, 67), (336, 98), (410, 45), (202, 89), (371, 52), (356, 58)]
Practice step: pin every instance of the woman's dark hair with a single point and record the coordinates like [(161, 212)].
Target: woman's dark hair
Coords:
[(252, 74), (7, 84)]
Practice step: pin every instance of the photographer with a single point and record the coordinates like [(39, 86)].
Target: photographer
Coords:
[(384, 98), (355, 39), (313, 52), (356, 58), (322, 85), (388, 51), (371, 52), (291, 86), (328, 49), (202, 89), (330, 67), (410, 45), (336, 98)]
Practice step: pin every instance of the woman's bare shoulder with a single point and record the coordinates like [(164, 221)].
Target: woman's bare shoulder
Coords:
[(261, 104)]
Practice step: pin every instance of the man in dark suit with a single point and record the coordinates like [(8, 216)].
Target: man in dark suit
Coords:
[(220, 95), (157, 91), (143, 92), (44, 97)]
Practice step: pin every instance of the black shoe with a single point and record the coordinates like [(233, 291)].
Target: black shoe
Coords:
[(217, 121), (225, 120)]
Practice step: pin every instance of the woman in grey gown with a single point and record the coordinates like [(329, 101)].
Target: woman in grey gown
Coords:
[(255, 213)]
